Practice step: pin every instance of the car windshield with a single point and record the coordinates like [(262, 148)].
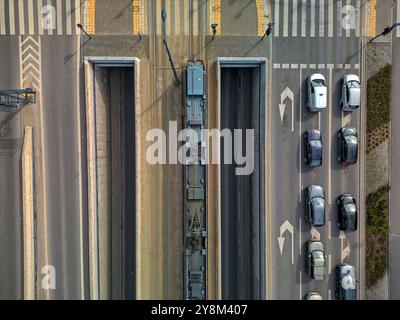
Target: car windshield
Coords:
[(315, 143), (351, 139), (354, 84), (318, 256), (318, 201), (319, 83), (350, 207)]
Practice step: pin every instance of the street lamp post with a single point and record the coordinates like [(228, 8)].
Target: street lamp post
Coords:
[(386, 31), (214, 30), (268, 31), (83, 30)]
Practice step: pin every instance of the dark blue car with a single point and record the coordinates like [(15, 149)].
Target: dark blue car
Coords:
[(313, 148)]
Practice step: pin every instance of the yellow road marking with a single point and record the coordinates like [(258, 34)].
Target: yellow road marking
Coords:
[(136, 16), (260, 17), (92, 17), (215, 14), (372, 19)]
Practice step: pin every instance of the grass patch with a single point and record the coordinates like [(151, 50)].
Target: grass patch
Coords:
[(377, 238), (378, 98)]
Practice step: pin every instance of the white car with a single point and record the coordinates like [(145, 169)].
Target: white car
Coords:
[(351, 92), (317, 93)]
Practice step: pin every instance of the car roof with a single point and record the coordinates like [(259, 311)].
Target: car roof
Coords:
[(352, 77), (316, 76)]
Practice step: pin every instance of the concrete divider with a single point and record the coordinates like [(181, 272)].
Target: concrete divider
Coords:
[(28, 216)]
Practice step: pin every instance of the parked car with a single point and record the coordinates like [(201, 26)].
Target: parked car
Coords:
[(315, 205), (313, 148), (313, 295), (348, 146), (316, 260), (351, 92), (347, 213), (317, 93), (346, 282)]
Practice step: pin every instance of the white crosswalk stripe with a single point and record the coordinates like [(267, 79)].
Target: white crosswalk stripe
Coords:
[(398, 17), (39, 17), (316, 18)]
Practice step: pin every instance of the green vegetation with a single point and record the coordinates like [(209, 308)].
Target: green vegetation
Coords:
[(379, 96), (377, 238)]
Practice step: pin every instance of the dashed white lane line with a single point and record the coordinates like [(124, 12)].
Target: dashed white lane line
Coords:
[(329, 230)]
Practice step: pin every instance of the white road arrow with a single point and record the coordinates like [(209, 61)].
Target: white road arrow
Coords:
[(345, 252), (287, 93), (315, 235), (286, 226)]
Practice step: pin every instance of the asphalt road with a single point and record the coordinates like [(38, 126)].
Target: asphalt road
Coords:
[(11, 135), (333, 57)]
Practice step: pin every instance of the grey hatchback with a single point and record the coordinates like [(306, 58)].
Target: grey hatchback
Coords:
[(348, 146), (315, 205), (313, 148)]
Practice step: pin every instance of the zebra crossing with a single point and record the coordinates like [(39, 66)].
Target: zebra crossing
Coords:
[(316, 18), (39, 17)]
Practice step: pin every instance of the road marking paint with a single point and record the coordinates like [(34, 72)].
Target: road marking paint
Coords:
[(330, 139), (277, 65), (68, 18), (329, 230), (339, 66), (329, 294), (168, 23), (319, 121), (329, 263), (260, 18), (31, 20), (285, 65), (330, 18), (59, 18), (21, 18), (321, 66), (339, 18), (77, 15), (285, 18), (372, 18), (186, 17), (92, 17), (11, 10), (358, 19), (215, 9), (300, 242), (301, 144), (40, 16), (321, 18), (347, 66), (294, 66), (357, 66), (348, 30), (195, 20), (312, 19), (303, 18), (49, 30), (312, 66), (300, 288), (276, 19), (398, 18), (136, 16), (294, 17), (303, 66), (2, 18), (177, 19)]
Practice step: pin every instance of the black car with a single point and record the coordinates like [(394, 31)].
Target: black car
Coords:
[(347, 213), (346, 282), (315, 205), (348, 146), (313, 148)]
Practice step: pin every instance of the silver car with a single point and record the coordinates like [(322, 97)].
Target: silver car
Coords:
[(351, 92), (316, 260), (317, 93)]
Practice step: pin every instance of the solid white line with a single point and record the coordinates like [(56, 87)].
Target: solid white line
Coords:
[(59, 18), (348, 30), (301, 144), (300, 243), (330, 139), (312, 19), (303, 18), (330, 18), (2, 18), (329, 230), (285, 18), (68, 20), (329, 263), (319, 121), (40, 17), (321, 18), (177, 16), (11, 10), (294, 22), (276, 19), (339, 18), (301, 291), (398, 18), (31, 18), (77, 15), (21, 18)]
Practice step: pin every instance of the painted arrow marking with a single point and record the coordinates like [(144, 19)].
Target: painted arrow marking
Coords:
[(286, 226), (287, 93), (345, 252), (315, 234)]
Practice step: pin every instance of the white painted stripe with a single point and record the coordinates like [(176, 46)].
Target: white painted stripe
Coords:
[(357, 66), (339, 66), (339, 18), (40, 17), (186, 13), (398, 18), (329, 294), (31, 20), (285, 65), (21, 19), (2, 18), (329, 263), (11, 10), (358, 19), (59, 18), (178, 17), (68, 20), (303, 66), (348, 30), (312, 18), (312, 66), (77, 15), (195, 9), (330, 66), (329, 230), (157, 14), (285, 18), (303, 18), (300, 287), (330, 18), (168, 24), (294, 66), (321, 18), (300, 242), (277, 65), (321, 66), (319, 121), (50, 31), (294, 21), (347, 66), (276, 19)]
